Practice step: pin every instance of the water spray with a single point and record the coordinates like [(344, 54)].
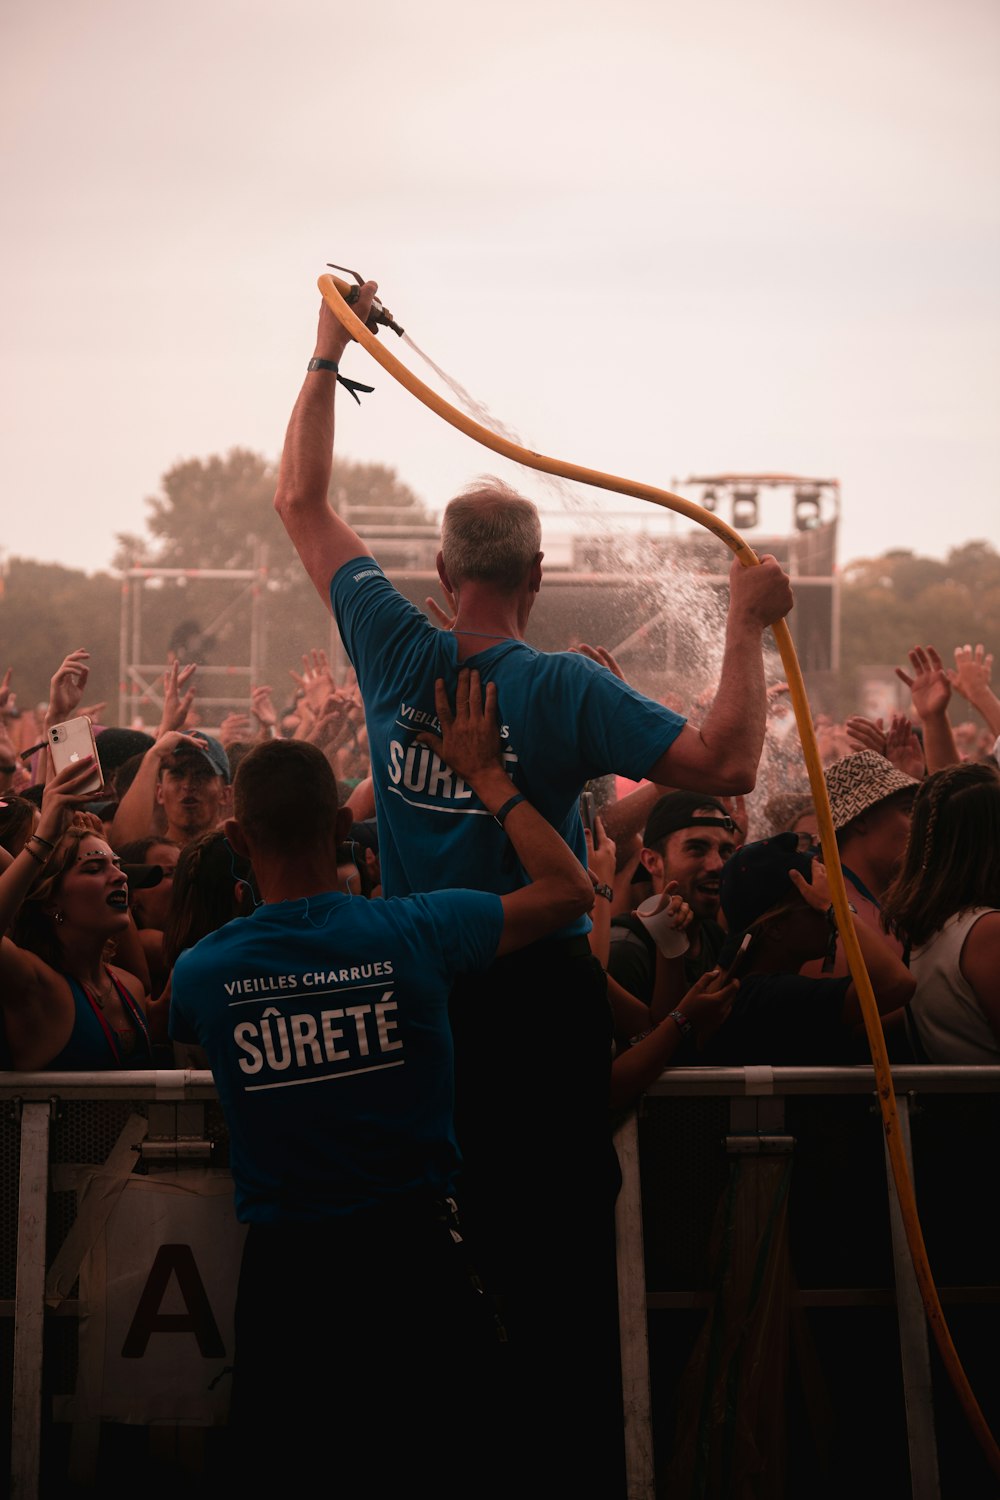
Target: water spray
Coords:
[(334, 295)]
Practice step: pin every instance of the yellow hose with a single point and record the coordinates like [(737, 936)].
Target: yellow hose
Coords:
[(838, 891)]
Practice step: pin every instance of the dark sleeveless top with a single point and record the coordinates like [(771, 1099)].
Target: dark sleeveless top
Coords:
[(93, 1043)]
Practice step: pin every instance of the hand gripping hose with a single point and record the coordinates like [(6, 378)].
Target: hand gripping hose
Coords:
[(803, 718)]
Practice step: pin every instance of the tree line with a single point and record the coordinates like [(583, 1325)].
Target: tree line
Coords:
[(217, 513)]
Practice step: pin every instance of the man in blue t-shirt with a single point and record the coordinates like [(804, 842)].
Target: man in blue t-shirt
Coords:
[(532, 1079), (363, 1350)]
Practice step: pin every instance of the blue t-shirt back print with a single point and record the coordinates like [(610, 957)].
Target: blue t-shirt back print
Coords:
[(564, 719), (326, 1026)]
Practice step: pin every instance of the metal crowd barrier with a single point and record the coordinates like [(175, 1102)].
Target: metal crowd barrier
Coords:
[(119, 1252)]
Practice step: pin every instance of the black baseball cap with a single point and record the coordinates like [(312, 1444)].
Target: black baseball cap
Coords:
[(679, 810), (756, 879)]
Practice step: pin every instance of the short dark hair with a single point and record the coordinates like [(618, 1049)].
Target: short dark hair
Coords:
[(116, 745), (285, 797)]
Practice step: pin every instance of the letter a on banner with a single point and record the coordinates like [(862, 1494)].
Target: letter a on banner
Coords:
[(174, 1260)]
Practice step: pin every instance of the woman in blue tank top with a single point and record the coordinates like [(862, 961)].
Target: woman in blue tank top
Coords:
[(64, 899)]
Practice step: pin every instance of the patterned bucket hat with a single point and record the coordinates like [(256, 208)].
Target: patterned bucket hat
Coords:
[(860, 781)]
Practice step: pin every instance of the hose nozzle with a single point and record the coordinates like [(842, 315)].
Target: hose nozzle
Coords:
[(379, 312)]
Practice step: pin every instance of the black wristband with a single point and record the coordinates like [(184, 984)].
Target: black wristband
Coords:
[(501, 814), (351, 386), (600, 889)]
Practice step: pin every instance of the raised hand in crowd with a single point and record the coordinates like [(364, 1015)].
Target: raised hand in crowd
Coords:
[(930, 691), (891, 979), (66, 687), (178, 698), (866, 734), (234, 730), (445, 618), (903, 748), (352, 692), (264, 711), (898, 744), (316, 679), (603, 657), (142, 808), (601, 863), (65, 691), (704, 1007), (929, 686), (333, 724), (971, 677)]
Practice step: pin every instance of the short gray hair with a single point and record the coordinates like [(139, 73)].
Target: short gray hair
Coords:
[(490, 533)]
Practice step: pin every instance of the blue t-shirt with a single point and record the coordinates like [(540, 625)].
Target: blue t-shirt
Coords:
[(564, 720), (325, 1021)]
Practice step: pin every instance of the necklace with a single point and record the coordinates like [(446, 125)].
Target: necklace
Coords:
[(99, 998), (485, 635)]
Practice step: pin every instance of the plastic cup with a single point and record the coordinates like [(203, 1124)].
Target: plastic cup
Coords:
[(660, 926)]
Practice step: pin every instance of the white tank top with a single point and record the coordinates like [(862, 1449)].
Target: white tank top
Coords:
[(948, 1017)]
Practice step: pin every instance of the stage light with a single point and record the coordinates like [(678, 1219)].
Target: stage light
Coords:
[(807, 511), (744, 509)]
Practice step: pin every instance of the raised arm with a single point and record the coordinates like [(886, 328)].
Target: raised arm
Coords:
[(931, 693), (65, 693), (135, 815), (704, 1007), (892, 981), (560, 889), (971, 678), (323, 540), (722, 756), (33, 997)]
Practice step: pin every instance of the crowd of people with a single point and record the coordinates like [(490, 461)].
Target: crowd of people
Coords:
[(428, 943)]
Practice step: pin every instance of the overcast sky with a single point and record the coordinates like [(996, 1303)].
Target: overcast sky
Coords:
[(654, 238)]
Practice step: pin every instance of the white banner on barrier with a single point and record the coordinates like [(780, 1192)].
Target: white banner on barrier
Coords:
[(156, 1342)]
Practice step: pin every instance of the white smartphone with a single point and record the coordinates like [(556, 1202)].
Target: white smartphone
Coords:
[(74, 740)]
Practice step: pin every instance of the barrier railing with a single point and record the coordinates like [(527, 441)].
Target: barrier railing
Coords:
[(758, 1136), (124, 1226)]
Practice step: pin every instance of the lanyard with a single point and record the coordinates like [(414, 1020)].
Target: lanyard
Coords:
[(861, 888), (131, 1010)]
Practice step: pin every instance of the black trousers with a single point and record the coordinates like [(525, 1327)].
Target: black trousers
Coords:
[(366, 1360), (539, 1178)]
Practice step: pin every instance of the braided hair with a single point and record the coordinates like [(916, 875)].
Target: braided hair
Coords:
[(952, 858)]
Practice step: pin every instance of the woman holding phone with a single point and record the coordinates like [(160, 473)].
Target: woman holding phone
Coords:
[(64, 902)]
